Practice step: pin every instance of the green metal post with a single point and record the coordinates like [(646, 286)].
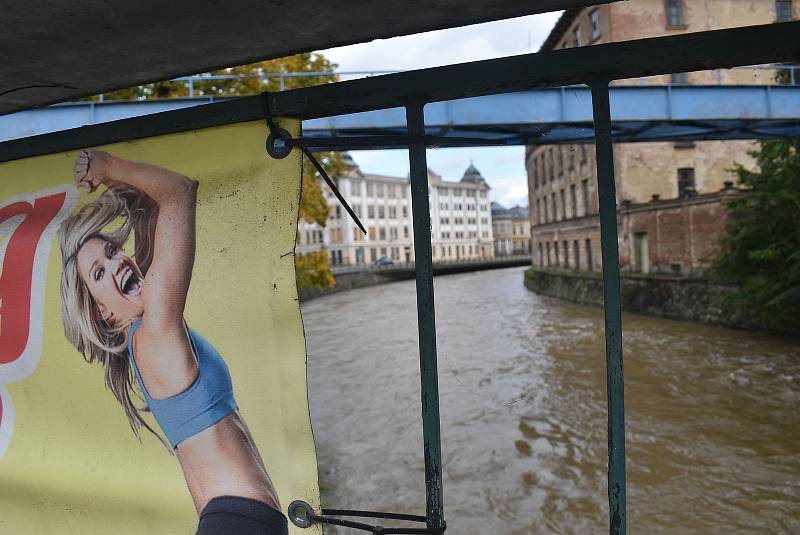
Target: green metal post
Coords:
[(611, 303), (426, 319)]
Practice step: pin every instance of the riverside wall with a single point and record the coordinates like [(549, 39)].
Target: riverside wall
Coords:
[(351, 279), (680, 298)]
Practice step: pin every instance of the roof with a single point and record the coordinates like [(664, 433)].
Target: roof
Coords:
[(69, 49), (561, 26), (473, 175), (500, 212)]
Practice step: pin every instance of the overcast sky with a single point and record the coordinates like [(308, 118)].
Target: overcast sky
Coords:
[(503, 168)]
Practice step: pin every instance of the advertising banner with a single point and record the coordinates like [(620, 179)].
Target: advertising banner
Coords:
[(152, 357)]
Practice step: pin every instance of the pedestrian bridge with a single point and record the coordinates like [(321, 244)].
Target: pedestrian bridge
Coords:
[(542, 116)]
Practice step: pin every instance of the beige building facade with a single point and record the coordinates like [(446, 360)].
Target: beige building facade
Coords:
[(461, 226), (512, 230), (562, 183)]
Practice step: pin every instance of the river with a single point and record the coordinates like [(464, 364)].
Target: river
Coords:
[(712, 419)]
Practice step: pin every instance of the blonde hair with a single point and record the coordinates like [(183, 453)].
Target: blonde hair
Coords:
[(84, 327)]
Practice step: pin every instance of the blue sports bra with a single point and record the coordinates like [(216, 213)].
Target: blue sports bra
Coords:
[(208, 400)]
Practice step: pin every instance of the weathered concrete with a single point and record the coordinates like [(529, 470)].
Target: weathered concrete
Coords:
[(680, 298)]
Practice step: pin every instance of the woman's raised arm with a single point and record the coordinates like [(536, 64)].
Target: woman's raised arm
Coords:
[(175, 196)]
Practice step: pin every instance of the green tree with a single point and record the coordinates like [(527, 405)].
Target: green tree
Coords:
[(761, 251), (299, 63)]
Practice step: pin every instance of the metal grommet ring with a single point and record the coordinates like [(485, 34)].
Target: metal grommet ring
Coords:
[(300, 514), (279, 143)]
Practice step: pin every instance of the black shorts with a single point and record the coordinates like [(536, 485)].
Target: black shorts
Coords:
[(231, 515)]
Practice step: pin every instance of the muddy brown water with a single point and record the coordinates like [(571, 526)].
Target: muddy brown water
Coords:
[(712, 419)]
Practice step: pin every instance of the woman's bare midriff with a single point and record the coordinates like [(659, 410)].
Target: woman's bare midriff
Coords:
[(223, 460)]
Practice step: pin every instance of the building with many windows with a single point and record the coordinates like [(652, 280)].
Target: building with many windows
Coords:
[(512, 230), (461, 225), (681, 179)]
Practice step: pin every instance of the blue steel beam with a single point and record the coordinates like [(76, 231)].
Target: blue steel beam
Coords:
[(543, 116)]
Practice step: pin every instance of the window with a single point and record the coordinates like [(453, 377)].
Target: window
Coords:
[(548, 254), (686, 181), (546, 212), (589, 264), (558, 260), (783, 10), (674, 13), (563, 205), (679, 78), (577, 251), (405, 231), (555, 209), (541, 256), (380, 192), (585, 188), (370, 188), (566, 253), (538, 216), (381, 212), (371, 212), (405, 211), (390, 189), (594, 18), (373, 254), (393, 211), (574, 198), (641, 254), (382, 234), (560, 160)]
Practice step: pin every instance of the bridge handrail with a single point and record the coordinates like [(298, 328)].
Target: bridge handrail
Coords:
[(794, 75)]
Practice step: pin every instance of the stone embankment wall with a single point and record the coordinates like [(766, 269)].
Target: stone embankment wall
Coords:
[(359, 278), (349, 281), (678, 298)]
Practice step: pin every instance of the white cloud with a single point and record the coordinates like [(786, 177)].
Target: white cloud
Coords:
[(503, 167), (443, 47)]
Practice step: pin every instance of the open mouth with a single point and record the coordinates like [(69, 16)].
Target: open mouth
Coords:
[(130, 283)]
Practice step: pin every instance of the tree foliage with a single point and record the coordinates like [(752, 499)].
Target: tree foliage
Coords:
[(313, 270), (761, 252), (262, 73)]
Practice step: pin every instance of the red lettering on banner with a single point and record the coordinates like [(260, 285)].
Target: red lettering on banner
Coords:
[(16, 276)]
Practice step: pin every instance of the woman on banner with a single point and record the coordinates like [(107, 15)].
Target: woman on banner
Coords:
[(127, 314)]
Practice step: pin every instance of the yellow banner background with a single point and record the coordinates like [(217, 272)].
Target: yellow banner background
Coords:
[(72, 464)]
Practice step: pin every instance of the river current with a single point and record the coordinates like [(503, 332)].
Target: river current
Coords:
[(712, 419)]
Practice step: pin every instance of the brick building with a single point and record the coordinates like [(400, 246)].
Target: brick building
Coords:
[(684, 176)]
